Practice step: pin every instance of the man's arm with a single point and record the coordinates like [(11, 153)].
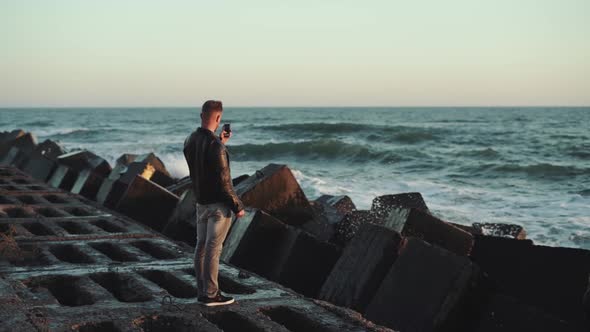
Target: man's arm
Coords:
[(227, 187)]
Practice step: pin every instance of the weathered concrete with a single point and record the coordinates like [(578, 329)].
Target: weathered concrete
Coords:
[(416, 223), (85, 160), (14, 156), (427, 289), (148, 158), (552, 279), (26, 143), (147, 202), (63, 178), (382, 205), (182, 224), (50, 149), (347, 228), (275, 190), (39, 166), (365, 261), (325, 219), (308, 264), (260, 243), (87, 183), (506, 314), (502, 230), (81, 268), (342, 203)]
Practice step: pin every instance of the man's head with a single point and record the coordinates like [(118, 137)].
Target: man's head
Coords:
[(211, 114)]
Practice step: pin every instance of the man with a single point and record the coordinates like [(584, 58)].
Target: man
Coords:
[(208, 164)]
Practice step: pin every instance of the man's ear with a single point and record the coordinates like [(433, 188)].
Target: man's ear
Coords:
[(201, 116), (218, 118)]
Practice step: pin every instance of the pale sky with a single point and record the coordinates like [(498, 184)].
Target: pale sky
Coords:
[(294, 53)]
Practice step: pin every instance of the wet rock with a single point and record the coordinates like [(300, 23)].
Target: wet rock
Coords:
[(383, 204), (308, 264), (275, 190), (346, 229), (260, 243), (85, 160), (552, 279), (87, 184), (148, 203), (342, 203), (416, 223), (50, 149), (182, 223), (507, 314), (426, 289), (63, 178), (365, 261)]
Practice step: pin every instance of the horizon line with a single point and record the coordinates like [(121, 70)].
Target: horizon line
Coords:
[(302, 106)]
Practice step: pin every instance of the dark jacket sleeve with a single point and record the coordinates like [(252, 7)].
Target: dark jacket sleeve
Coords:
[(219, 155)]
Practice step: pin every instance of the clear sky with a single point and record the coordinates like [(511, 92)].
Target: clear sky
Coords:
[(294, 53)]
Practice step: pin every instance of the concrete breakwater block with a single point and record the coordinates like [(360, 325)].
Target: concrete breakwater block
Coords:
[(25, 142), (347, 228), (260, 243), (275, 190), (416, 223), (365, 261), (506, 314), (121, 176), (502, 230), (426, 289), (39, 166), (550, 278), (7, 136), (149, 158), (342, 203), (50, 149), (308, 265), (87, 184), (84, 159), (324, 221), (148, 203), (180, 186), (383, 204), (63, 178), (13, 156), (182, 224)]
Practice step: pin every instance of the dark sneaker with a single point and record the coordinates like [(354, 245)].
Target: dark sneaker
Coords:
[(216, 301)]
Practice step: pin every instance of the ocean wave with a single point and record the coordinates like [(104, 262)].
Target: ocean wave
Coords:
[(38, 123), (315, 149), (480, 153), (541, 170), (389, 134)]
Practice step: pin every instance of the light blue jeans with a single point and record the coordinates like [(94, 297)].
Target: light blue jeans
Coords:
[(213, 221)]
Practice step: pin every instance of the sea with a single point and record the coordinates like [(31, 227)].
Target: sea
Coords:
[(525, 166)]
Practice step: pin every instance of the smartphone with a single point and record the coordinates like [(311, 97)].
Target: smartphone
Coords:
[(226, 130)]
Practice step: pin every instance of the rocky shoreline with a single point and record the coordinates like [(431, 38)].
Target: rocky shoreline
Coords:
[(396, 264)]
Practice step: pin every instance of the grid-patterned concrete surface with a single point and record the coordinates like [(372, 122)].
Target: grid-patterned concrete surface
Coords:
[(68, 264)]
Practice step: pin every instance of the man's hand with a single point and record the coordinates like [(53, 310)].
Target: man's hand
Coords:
[(240, 214), (225, 136)]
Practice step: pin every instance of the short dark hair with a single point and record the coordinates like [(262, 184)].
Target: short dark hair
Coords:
[(212, 105)]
